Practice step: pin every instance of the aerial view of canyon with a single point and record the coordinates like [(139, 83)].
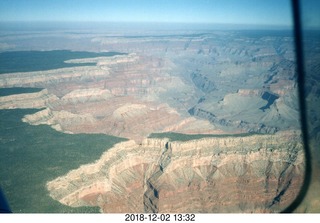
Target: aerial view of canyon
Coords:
[(159, 117)]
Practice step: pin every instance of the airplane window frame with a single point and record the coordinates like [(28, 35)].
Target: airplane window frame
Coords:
[(298, 41)]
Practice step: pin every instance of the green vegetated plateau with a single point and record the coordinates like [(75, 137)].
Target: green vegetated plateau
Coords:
[(18, 90), (173, 136), (33, 155), (27, 61)]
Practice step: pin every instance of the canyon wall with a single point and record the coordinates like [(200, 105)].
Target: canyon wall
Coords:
[(257, 173)]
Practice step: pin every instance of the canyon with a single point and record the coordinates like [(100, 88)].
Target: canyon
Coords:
[(237, 92)]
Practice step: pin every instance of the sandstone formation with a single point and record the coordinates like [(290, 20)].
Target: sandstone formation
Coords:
[(258, 173)]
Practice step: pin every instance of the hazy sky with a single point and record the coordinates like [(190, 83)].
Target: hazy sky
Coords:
[(272, 12)]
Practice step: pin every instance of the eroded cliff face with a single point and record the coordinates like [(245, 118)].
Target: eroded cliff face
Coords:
[(120, 96), (258, 173), (29, 100)]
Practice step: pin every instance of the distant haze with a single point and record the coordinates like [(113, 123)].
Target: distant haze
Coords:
[(129, 27), (249, 12)]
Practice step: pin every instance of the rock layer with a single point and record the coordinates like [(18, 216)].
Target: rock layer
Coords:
[(28, 100), (258, 173)]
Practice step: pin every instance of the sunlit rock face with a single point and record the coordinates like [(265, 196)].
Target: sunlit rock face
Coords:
[(258, 173)]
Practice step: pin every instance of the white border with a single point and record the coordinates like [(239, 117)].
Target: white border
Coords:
[(206, 218)]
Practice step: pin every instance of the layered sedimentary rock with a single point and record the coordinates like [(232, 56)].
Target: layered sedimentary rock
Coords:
[(29, 100), (120, 96), (258, 173), (218, 82), (167, 81)]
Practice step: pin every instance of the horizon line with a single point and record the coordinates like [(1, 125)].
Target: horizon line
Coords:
[(58, 24)]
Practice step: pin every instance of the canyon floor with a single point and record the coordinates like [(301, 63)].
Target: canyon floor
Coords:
[(208, 121)]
